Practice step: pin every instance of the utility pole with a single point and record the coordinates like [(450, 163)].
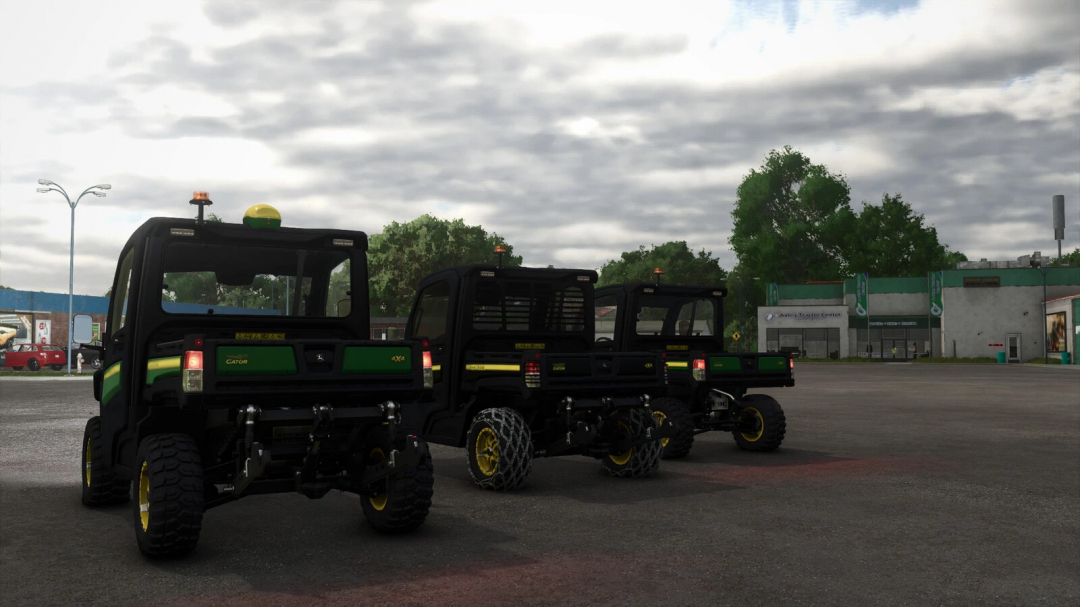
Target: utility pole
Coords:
[(53, 187)]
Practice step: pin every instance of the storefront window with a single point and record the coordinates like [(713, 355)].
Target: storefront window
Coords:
[(805, 343)]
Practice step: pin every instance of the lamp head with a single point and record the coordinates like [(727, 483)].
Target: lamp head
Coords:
[(44, 190)]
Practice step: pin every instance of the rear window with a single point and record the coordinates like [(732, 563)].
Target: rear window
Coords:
[(675, 316), (219, 278), (528, 307)]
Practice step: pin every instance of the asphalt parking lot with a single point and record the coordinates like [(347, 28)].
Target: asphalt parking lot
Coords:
[(897, 484)]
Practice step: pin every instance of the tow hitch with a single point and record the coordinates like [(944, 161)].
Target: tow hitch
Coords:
[(258, 458)]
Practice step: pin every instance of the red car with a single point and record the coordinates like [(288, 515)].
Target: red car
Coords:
[(34, 357)]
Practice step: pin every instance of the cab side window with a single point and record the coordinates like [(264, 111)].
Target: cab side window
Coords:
[(604, 309), (429, 318), (123, 290)]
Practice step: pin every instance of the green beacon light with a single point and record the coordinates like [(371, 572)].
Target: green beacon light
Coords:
[(262, 216)]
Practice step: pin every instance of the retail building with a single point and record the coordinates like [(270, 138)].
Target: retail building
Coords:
[(983, 309)]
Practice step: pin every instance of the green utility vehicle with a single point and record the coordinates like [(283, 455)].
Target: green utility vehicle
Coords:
[(705, 386), (237, 362), (516, 375)]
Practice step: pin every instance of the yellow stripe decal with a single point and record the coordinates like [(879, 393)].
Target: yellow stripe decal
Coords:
[(436, 367), (678, 364), (113, 370), (493, 367), (158, 364)]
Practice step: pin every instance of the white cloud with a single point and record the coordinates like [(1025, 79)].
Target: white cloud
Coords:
[(573, 129), (692, 179)]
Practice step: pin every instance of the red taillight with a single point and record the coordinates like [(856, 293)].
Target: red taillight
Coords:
[(791, 363), (425, 344), (663, 355), (699, 369), (427, 359), (193, 359), (198, 342), (191, 379), (532, 374)]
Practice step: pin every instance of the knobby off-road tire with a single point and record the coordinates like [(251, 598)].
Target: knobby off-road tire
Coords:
[(33, 364), (770, 427), (100, 486), (638, 461), (500, 449), (168, 495), (672, 410), (404, 499)]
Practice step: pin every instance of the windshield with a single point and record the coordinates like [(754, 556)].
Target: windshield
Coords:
[(675, 316), (218, 278)]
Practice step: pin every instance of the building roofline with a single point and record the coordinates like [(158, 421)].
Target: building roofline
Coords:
[(1062, 297)]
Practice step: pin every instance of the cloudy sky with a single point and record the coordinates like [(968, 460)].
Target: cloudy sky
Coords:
[(577, 130)]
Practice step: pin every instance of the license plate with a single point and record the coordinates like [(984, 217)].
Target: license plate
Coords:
[(719, 403)]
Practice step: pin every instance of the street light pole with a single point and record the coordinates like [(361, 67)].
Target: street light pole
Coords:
[(738, 346), (54, 187), (738, 342), (1046, 331)]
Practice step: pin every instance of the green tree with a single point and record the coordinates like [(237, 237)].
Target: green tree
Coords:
[(893, 240), (679, 263), (952, 258), (1067, 259), (790, 218), (406, 252), (3, 288)]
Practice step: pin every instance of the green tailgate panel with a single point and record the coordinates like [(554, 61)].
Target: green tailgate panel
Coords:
[(725, 364), (256, 360), (377, 360), (772, 363)]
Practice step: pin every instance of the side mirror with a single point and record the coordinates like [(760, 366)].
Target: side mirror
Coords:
[(83, 329), (344, 307)]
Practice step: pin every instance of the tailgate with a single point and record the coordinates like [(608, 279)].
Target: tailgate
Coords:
[(331, 371), (749, 370), (581, 373)]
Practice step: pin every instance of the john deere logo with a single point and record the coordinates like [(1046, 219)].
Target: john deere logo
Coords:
[(398, 358), (236, 359)]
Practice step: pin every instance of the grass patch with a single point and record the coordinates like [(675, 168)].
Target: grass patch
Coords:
[(979, 360), (43, 372), (850, 359), (1054, 360)]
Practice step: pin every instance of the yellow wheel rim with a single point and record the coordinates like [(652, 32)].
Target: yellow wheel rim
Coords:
[(88, 460), (144, 496), (620, 459), (487, 452), (378, 502), (661, 419), (760, 424)]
